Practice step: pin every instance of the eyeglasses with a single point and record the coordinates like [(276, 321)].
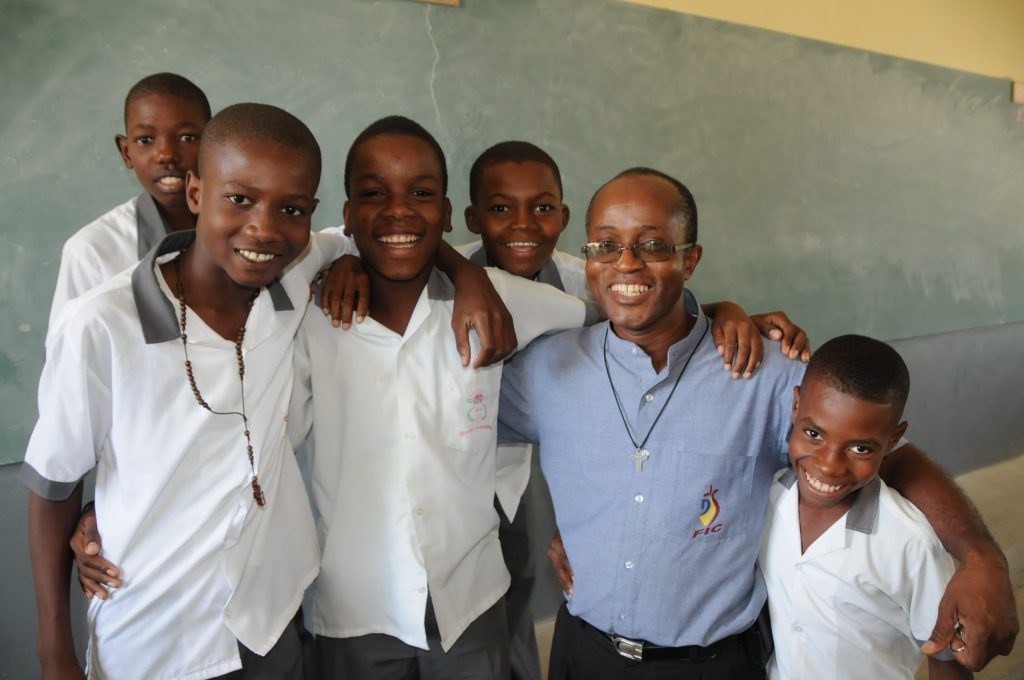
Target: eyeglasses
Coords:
[(654, 250)]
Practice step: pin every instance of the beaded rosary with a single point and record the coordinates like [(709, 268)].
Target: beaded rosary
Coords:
[(257, 491)]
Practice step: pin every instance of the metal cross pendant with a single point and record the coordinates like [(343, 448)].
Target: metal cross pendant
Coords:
[(639, 457)]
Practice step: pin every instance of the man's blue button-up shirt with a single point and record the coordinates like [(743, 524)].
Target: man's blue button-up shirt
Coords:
[(666, 554)]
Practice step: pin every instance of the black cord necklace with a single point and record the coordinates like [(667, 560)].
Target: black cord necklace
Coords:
[(257, 490), (640, 454)]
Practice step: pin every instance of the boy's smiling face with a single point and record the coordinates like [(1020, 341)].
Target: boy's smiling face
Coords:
[(519, 215), (161, 144), (397, 210), (838, 442), (255, 201)]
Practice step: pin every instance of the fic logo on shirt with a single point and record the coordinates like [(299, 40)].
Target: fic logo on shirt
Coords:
[(709, 509), (476, 415)]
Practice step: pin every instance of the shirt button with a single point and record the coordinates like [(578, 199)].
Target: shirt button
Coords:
[(410, 435), (648, 397), (419, 512), (628, 564), (639, 498), (635, 351), (622, 617), (421, 590), (797, 629)]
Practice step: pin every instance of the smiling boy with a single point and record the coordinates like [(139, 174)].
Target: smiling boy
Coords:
[(412, 578), (172, 380), (854, 597), (164, 116)]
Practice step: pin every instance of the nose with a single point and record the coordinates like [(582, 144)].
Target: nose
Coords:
[(167, 150), (263, 224), (628, 261), (522, 217), (829, 461), (397, 206)]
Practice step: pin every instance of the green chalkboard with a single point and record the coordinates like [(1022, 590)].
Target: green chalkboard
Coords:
[(855, 191)]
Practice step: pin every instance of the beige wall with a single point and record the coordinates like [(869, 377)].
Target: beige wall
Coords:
[(980, 36)]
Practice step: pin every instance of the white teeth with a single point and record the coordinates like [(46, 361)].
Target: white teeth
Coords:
[(522, 244), (253, 256), (402, 240), (630, 289), (170, 181), (819, 485)]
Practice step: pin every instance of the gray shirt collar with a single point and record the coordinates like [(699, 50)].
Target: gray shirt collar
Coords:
[(157, 315), (151, 226), (548, 273), (861, 515)]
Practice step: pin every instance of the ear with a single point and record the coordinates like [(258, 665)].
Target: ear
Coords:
[(896, 434), (121, 142), (447, 214), (693, 256), (193, 191), (796, 403), (471, 223), (565, 216), (344, 219)]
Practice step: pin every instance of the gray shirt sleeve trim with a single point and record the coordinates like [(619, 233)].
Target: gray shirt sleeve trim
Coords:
[(43, 487)]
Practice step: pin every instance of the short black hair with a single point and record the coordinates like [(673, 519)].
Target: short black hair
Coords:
[(687, 214), (862, 367), (510, 152), (395, 126), (167, 83), (250, 122)]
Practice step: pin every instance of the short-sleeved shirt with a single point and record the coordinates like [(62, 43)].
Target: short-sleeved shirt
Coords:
[(202, 566), (106, 246), (667, 552), (863, 597), (403, 463)]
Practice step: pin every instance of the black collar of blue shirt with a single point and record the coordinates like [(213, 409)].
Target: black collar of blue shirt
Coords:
[(862, 514), (548, 273), (157, 315), (150, 224)]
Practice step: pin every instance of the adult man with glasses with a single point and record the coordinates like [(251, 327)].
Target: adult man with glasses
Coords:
[(659, 465)]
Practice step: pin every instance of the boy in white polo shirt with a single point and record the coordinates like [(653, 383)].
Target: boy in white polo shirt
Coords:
[(172, 381), (412, 577), (854, 571), (164, 116)]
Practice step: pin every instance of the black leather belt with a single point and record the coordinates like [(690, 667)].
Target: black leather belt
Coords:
[(641, 650)]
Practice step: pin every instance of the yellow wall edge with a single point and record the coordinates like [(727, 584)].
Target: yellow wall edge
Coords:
[(979, 36)]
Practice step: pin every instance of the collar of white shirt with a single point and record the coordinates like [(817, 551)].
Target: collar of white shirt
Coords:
[(156, 313)]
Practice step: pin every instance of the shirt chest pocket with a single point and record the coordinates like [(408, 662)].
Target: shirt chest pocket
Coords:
[(469, 401), (710, 497)]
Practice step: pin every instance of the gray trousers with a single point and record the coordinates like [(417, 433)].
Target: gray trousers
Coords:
[(480, 653), (515, 549)]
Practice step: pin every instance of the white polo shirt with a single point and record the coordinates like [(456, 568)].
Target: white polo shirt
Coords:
[(403, 463), (566, 273), (863, 597), (201, 564), (106, 246)]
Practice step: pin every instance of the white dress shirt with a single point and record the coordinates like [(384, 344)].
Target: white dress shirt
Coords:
[(863, 597), (202, 566), (106, 246), (403, 463)]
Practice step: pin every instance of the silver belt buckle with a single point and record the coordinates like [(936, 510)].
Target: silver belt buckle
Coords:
[(631, 649)]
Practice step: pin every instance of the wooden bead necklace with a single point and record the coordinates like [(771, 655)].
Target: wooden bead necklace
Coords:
[(257, 491)]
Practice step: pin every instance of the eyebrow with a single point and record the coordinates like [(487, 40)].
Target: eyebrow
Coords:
[(645, 227), (257, 190), (378, 178), (808, 422)]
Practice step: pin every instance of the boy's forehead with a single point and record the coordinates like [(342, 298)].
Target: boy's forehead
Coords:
[(150, 108), (517, 172), (237, 151), (820, 396)]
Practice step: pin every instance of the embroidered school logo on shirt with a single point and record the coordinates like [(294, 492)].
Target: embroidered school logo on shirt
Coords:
[(709, 509), (476, 414)]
